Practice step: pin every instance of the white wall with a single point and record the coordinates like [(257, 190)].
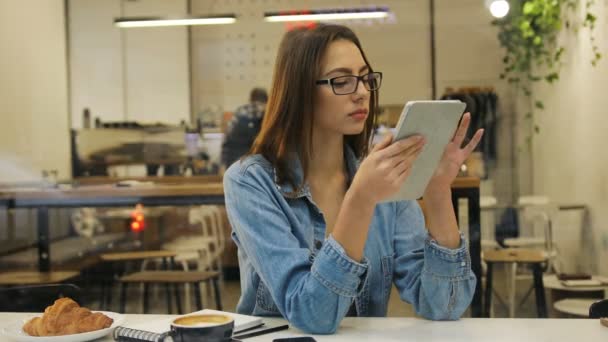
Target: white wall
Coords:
[(128, 74), (96, 61), (570, 163), (33, 90), (156, 65)]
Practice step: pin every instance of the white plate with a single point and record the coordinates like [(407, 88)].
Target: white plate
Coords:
[(15, 332)]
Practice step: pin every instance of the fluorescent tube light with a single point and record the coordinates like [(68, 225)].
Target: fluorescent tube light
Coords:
[(185, 21), (332, 14)]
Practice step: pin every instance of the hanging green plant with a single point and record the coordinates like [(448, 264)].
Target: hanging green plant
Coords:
[(529, 33)]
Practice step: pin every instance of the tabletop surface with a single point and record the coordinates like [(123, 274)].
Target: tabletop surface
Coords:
[(88, 191), (574, 306), (550, 281), (414, 329), (184, 189)]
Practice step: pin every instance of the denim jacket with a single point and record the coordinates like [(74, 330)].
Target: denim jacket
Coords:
[(289, 269)]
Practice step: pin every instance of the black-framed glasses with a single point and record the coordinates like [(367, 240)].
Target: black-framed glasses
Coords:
[(344, 85)]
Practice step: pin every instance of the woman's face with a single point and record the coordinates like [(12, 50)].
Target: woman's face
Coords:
[(341, 114)]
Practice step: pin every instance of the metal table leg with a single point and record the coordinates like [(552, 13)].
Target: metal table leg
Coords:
[(44, 249)]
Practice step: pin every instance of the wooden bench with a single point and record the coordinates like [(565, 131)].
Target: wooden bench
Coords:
[(126, 257), (137, 256), (35, 278), (175, 278)]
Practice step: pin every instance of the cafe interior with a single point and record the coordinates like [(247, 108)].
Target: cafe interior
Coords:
[(114, 115)]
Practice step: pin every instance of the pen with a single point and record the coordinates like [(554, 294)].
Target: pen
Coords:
[(261, 332)]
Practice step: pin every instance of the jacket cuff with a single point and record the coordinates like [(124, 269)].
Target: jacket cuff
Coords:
[(446, 262), (337, 271)]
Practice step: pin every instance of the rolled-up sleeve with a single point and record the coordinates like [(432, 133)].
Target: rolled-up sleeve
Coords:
[(337, 271), (446, 262), (437, 281)]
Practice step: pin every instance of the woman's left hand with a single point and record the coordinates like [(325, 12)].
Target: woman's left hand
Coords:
[(453, 157)]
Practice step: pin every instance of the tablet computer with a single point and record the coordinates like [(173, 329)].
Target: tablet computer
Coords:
[(437, 122)]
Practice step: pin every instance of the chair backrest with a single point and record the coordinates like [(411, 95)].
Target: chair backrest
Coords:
[(599, 309), (35, 298), (218, 224), (536, 219), (533, 200), (488, 218), (210, 219), (486, 201), (508, 226)]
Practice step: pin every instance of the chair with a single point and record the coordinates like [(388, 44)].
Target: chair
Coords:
[(205, 250), (35, 298), (210, 244), (533, 226), (536, 218)]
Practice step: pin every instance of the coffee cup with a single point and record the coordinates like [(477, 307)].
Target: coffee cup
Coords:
[(202, 327)]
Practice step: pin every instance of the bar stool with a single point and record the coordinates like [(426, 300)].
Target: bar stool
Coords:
[(195, 278), (514, 257), (168, 262)]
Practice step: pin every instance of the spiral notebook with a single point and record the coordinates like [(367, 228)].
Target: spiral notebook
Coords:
[(155, 330)]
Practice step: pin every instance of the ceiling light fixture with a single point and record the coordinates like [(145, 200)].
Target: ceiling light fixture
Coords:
[(328, 14), (132, 22)]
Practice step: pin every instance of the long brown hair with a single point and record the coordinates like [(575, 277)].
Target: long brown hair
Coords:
[(288, 121)]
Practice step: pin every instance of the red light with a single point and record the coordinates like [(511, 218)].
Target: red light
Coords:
[(137, 219), (137, 226)]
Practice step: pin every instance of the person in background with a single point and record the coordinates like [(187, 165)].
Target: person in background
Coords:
[(244, 127), (316, 240)]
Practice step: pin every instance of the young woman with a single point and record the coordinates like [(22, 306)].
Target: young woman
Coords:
[(314, 243)]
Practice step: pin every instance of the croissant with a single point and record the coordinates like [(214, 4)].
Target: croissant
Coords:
[(66, 317)]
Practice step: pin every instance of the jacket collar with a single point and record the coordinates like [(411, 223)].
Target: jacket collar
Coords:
[(295, 165)]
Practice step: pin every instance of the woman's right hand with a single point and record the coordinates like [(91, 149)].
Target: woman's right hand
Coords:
[(384, 170)]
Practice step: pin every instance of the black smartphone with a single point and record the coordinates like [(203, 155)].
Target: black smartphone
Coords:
[(295, 339)]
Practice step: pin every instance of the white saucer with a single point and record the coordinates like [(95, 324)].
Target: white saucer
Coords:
[(15, 332)]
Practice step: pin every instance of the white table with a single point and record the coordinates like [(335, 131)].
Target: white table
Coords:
[(413, 329), (551, 282), (576, 307), (573, 306)]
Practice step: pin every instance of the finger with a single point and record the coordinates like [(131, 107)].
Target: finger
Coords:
[(474, 142), (402, 166), (386, 141), (407, 155), (396, 171), (401, 146), (461, 132), (403, 176), (405, 168)]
